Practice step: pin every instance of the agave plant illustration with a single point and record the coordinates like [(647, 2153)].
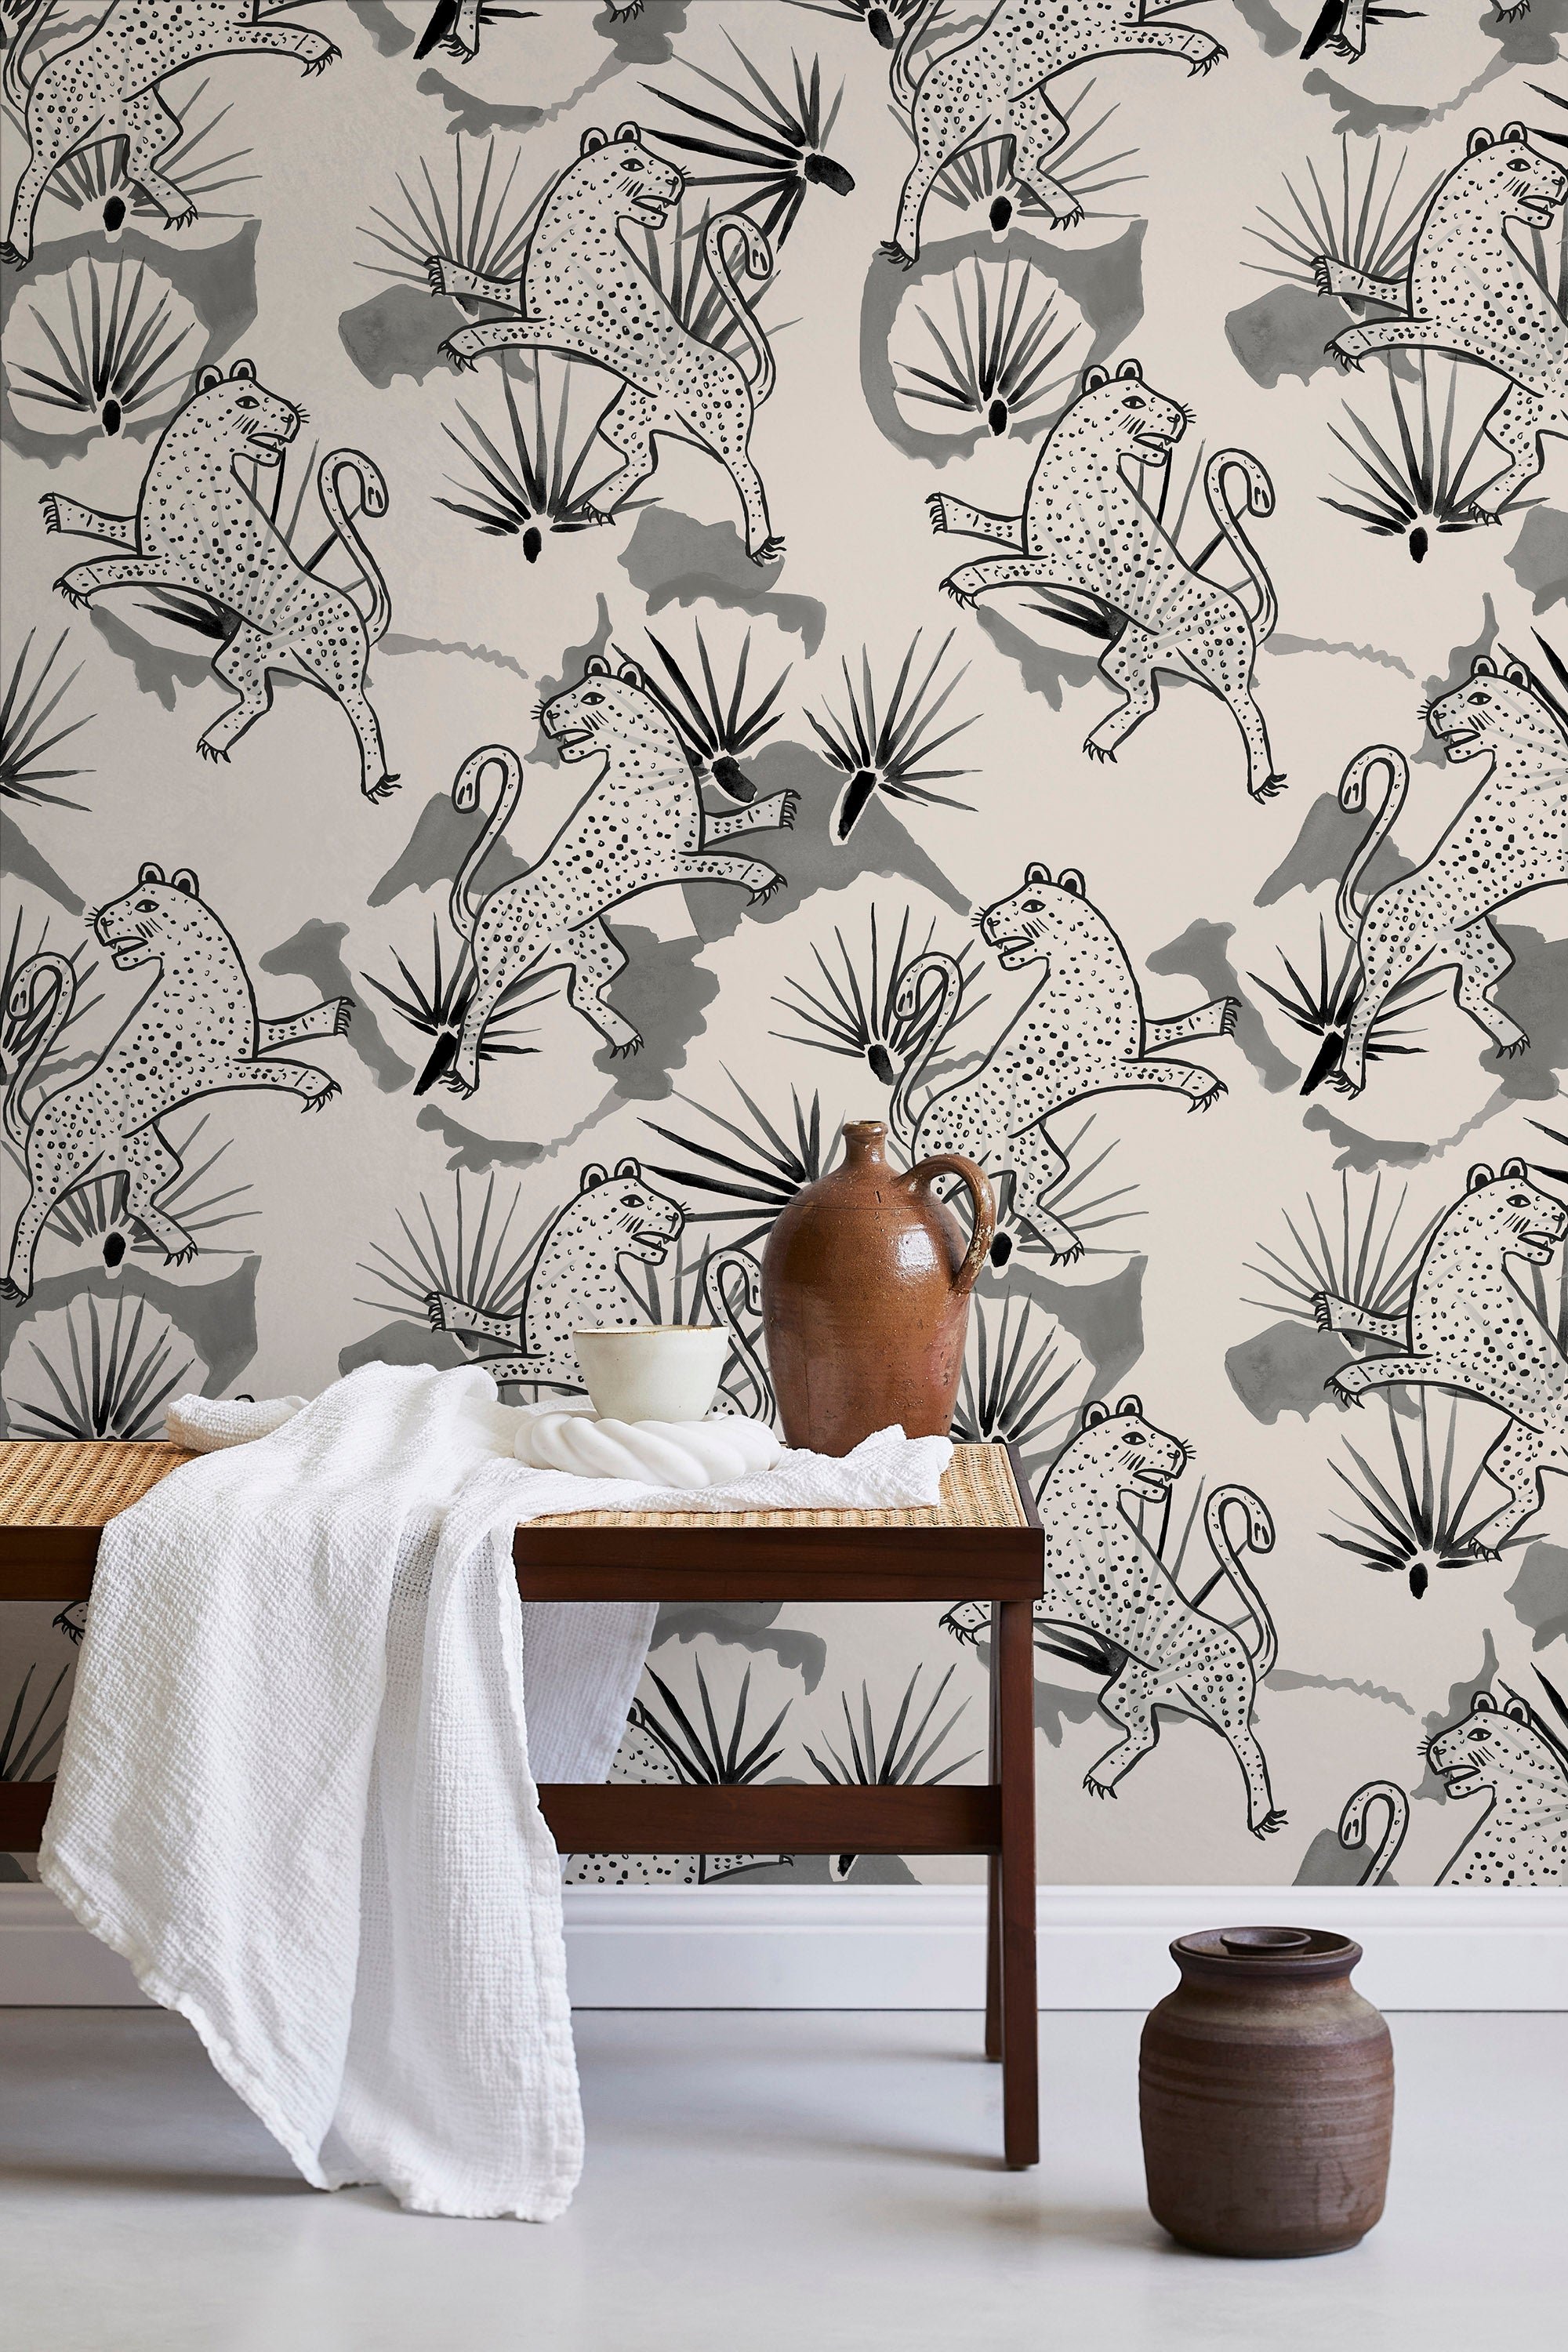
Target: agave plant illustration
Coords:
[(900, 1758), (887, 751), (436, 1006), (770, 145), (113, 351), (707, 1755), (883, 19), (28, 1739), (1020, 1380), (715, 723), (750, 1171), (1322, 1003), (993, 342), (1352, 1254), (473, 223), (1415, 1517), (850, 1006), (526, 483), (33, 693), (1414, 480), (1364, 224), (473, 1253), (97, 1212), (983, 178), (91, 1370)]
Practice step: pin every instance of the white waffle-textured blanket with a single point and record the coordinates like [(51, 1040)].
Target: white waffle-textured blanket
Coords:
[(296, 1793)]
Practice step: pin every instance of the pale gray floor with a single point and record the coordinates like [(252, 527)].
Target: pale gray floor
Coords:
[(761, 2183)]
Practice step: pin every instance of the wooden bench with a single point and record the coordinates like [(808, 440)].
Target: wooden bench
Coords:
[(983, 1542)]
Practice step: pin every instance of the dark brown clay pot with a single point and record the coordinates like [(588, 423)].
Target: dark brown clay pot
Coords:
[(1266, 2090), (866, 1284)]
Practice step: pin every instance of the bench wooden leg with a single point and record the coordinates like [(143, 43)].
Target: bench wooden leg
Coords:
[(994, 1957), (1013, 1668)]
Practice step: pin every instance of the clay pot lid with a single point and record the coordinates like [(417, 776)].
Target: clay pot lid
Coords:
[(1274, 1952)]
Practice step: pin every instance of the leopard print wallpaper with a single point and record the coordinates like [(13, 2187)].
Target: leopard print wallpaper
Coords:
[(591, 591)]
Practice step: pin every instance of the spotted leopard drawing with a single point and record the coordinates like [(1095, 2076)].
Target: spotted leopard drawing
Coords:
[(640, 824), (1467, 1326), (1082, 1031), (1167, 1653), (106, 86), (1501, 1747), (575, 1282), (1469, 295), (992, 85), (195, 1033), (1084, 530), (583, 294), (1510, 838), (199, 527)]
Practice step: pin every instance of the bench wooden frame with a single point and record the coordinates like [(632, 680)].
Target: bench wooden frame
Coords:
[(720, 1560)]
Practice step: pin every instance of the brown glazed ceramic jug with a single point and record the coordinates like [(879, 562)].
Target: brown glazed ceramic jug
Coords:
[(866, 1284), (1266, 2091)]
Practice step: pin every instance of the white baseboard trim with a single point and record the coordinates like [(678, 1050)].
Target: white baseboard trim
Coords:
[(923, 1946)]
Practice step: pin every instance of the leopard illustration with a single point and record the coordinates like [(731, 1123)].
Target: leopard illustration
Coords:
[(195, 1033), (583, 294), (1086, 531), (1522, 1839), (199, 528), (992, 85), (1340, 26), (1510, 838), (454, 26), (640, 824), (575, 1281), (1468, 294), (1082, 1031), (1467, 1326), (104, 87), (1102, 1576)]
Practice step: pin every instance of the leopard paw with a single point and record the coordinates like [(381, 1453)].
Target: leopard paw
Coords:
[(211, 751), (1348, 360), (179, 1257), (1322, 273), (936, 507), (13, 254), (461, 361), (343, 1013), (770, 551), (893, 251), (1268, 1824), (381, 791), (1210, 1096), (11, 1292), (330, 56), (960, 596), (1323, 1311), (1208, 65), (315, 1101), (75, 597), (1094, 751), (51, 507), (1342, 1396)]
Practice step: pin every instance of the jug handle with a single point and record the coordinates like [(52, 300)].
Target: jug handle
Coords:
[(953, 1163)]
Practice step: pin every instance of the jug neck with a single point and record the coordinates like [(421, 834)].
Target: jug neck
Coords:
[(865, 1143)]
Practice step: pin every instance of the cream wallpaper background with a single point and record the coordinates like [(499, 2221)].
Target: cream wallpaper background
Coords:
[(769, 1014)]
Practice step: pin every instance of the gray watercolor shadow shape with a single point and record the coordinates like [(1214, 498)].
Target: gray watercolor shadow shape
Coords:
[(672, 559), (1539, 1594), (664, 992), (1285, 333), (1286, 1370), (1539, 557), (315, 953), (1106, 282), (218, 1316)]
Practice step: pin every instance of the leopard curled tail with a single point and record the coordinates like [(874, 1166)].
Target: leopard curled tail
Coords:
[(936, 1016), (21, 1004), (1259, 501), (14, 83), (372, 501), (900, 80), (464, 800), (1353, 1827), (1259, 1538), (716, 1298), (759, 265), (1353, 796)]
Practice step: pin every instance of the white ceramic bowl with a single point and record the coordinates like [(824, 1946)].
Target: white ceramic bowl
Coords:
[(652, 1372)]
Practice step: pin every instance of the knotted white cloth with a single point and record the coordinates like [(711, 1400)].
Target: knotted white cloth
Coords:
[(296, 1789)]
